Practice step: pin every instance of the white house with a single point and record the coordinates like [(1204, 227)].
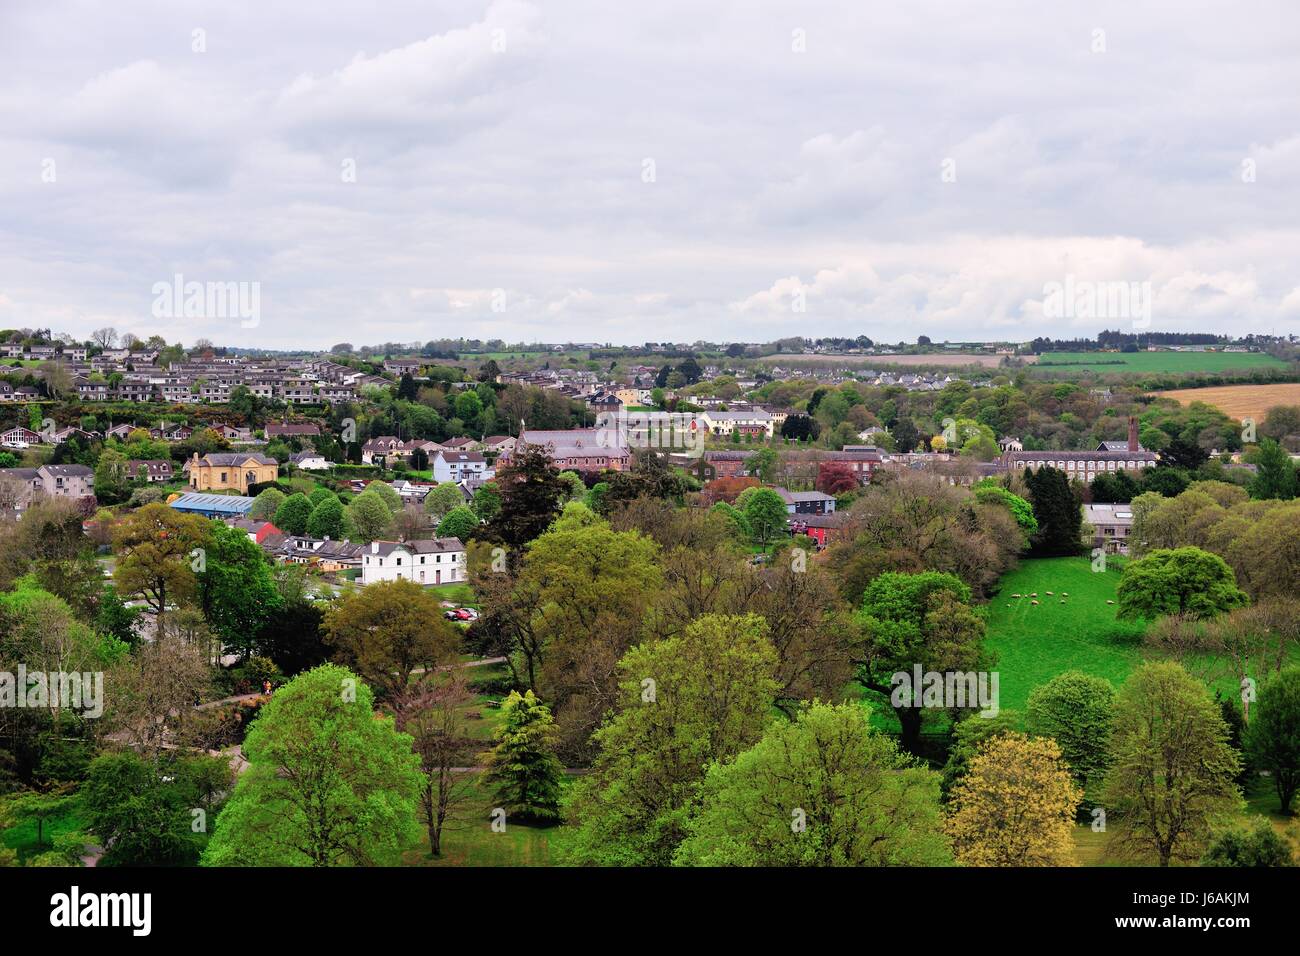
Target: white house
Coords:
[(310, 461), (436, 561), (458, 465), (751, 422)]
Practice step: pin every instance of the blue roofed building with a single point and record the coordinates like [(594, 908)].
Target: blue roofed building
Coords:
[(213, 506)]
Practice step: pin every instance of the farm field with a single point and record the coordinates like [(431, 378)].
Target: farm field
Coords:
[(1137, 363), (1239, 401), (873, 361)]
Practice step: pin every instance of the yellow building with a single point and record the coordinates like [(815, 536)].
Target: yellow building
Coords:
[(234, 471)]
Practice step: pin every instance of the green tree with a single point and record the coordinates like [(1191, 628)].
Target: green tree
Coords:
[(1273, 735), (293, 514), (1171, 765), (266, 504), (967, 737), (908, 620), (767, 515), (1184, 581), (155, 547), (532, 494), (1275, 475), (144, 811), (329, 783), (1057, 511), (823, 790), (1020, 509), (369, 516), (685, 702), (442, 499), (522, 767), (1257, 847), (112, 483), (328, 519), (1076, 710), (235, 589), (459, 522)]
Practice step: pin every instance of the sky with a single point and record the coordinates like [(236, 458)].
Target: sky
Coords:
[(613, 171)]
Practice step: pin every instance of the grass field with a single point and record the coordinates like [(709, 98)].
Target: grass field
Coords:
[(471, 841), (1035, 643), (955, 359), (1160, 363), (1240, 401)]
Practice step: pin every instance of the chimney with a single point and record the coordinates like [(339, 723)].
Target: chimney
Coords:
[(374, 547), (1132, 433)]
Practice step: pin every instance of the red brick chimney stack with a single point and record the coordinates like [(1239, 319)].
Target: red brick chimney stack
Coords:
[(1132, 433)]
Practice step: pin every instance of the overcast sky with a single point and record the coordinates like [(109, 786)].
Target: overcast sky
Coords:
[(611, 170)]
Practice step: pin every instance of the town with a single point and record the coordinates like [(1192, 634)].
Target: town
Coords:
[(489, 539)]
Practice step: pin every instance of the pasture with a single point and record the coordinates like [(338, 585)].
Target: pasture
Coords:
[(1153, 363)]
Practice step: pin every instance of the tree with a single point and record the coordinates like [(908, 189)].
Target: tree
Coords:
[(686, 701), (532, 493), (143, 810), (910, 620), (767, 516), (266, 504), (442, 499), (1015, 806), (1019, 508), (111, 479), (328, 519), (1059, 517), (1076, 710), (1258, 847), (522, 767), (487, 501), (38, 808), (154, 546), (800, 427), (235, 589), (435, 719), (293, 514), (1273, 735), (387, 494), (823, 790), (388, 631), (836, 478), (369, 515), (1275, 475), (968, 736), (1171, 765), (1183, 581), (329, 783), (460, 522)]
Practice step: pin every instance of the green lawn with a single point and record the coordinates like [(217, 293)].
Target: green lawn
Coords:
[(471, 841), (23, 836), (1034, 643), (1155, 362)]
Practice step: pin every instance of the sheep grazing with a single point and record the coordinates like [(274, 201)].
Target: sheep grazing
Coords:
[(1034, 603), (1049, 594), (1015, 595), (1035, 594), (1110, 602), (1065, 594), (1062, 602)]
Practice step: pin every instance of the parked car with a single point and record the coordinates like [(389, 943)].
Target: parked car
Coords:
[(463, 614), (451, 615)]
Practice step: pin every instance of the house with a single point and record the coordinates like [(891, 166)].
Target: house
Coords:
[(460, 443), (1010, 444), (821, 528), (235, 471), (6, 392), (403, 366), (1111, 525), (807, 502), (427, 561), (411, 491), (863, 460), (120, 432), (376, 450), (580, 449), (63, 434), (500, 444), (729, 464), (57, 481), (234, 433), (19, 438), (258, 531), (150, 470), (309, 461), (754, 422), (458, 465)]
